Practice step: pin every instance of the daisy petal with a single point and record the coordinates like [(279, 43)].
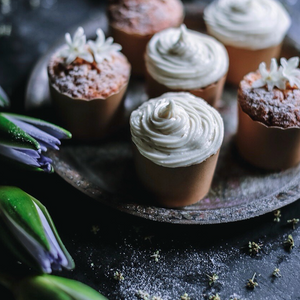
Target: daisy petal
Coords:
[(78, 34), (293, 62), (258, 83), (86, 56), (71, 57), (283, 62), (273, 66), (68, 39), (263, 69)]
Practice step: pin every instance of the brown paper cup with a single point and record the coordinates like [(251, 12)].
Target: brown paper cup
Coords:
[(211, 94), (175, 187), (270, 148), (89, 120), (133, 47), (243, 61)]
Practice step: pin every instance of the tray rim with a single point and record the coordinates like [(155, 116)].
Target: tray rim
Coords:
[(181, 215)]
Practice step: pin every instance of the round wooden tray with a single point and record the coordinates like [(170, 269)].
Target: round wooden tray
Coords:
[(105, 170)]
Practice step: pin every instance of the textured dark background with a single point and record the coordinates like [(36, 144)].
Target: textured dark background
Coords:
[(124, 242)]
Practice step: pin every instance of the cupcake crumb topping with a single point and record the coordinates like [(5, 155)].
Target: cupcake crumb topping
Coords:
[(88, 70), (273, 97), (89, 80)]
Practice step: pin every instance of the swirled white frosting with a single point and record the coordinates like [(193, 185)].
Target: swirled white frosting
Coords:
[(251, 24), (176, 130), (180, 58)]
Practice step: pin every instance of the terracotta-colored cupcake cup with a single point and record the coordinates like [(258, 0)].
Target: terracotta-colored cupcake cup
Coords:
[(175, 187), (270, 148), (243, 61), (211, 94), (89, 120), (133, 47)]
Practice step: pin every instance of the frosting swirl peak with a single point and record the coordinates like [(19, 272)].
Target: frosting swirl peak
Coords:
[(176, 130), (181, 58), (252, 24)]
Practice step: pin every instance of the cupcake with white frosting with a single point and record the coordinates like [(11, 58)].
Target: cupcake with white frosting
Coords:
[(179, 59), (251, 30), (177, 138), (87, 82)]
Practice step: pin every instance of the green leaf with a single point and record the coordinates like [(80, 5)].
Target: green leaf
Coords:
[(50, 287), (4, 100), (39, 288), (12, 135), (48, 127), (19, 206), (18, 251), (76, 289)]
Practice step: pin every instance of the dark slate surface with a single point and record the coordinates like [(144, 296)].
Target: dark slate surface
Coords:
[(126, 243)]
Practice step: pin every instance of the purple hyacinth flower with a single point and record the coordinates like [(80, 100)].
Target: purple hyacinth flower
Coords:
[(27, 229), (26, 140)]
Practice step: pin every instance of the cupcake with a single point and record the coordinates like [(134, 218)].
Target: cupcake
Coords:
[(179, 59), (268, 134), (87, 84), (133, 22), (251, 30), (176, 140)]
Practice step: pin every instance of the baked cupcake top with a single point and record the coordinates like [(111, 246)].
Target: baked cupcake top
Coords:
[(180, 58), (272, 97), (251, 24), (176, 130), (145, 17), (93, 70)]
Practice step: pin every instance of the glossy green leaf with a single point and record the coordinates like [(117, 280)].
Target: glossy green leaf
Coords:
[(19, 207), (16, 248), (12, 135), (48, 127), (39, 288), (49, 287)]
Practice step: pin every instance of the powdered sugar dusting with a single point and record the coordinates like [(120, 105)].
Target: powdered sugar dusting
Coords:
[(273, 108), (89, 81)]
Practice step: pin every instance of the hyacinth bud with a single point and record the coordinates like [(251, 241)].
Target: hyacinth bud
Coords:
[(49, 287), (24, 140), (27, 229)]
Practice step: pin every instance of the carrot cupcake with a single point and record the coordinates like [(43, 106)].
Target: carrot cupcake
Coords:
[(268, 133), (251, 30), (87, 84), (179, 59), (133, 22), (177, 138)]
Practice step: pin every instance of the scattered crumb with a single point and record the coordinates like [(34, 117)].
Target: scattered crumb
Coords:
[(143, 295), (118, 276), (95, 229), (156, 255), (185, 296)]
